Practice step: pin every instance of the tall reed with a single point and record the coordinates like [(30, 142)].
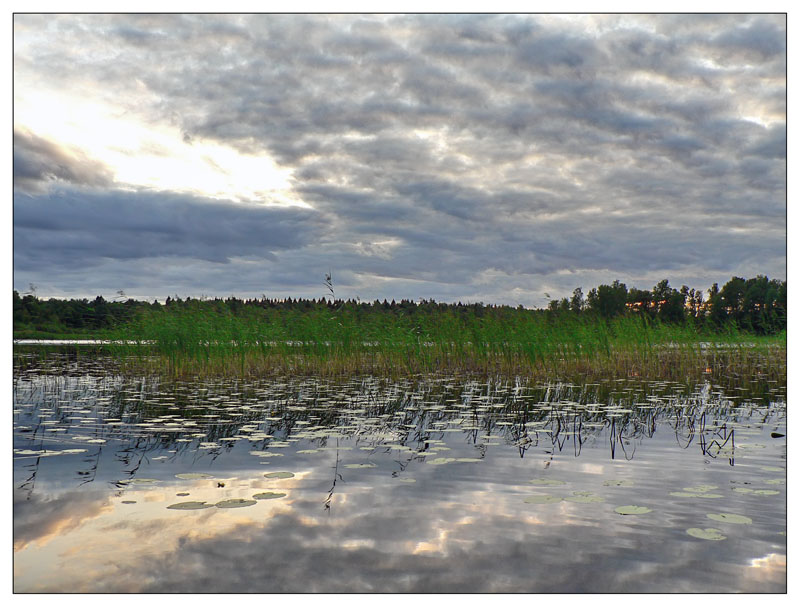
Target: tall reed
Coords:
[(332, 341)]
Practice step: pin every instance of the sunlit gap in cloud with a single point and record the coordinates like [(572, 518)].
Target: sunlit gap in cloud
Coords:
[(142, 154)]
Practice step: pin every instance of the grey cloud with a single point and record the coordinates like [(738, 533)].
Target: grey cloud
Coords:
[(81, 228), (478, 142), (39, 162)]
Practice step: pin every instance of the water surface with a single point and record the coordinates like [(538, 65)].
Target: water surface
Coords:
[(418, 485)]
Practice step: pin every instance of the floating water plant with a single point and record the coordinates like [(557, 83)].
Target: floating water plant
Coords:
[(542, 499), (190, 506), (632, 510), (698, 491), (547, 482), (440, 460), (618, 483), (236, 502), (725, 517), (706, 534), (584, 497), (279, 475), (188, 476), (268, 495), (360, 465)]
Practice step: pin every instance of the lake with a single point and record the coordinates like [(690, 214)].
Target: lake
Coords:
[(421, 484)]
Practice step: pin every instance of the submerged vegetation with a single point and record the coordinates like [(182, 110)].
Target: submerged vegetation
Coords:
[(665, 333)]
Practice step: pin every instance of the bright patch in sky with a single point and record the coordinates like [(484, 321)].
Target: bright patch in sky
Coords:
[(150, 155)]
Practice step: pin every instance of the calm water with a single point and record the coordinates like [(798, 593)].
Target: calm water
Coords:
[(395, 486)]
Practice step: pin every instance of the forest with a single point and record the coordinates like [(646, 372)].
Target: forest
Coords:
[(755, 305)]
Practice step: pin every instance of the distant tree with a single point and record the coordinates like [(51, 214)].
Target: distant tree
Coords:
[(670, 303), (640, 300), (577, 303), (608, 300)]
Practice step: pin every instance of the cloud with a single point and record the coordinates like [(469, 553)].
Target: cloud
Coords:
[(39, 162), (80, 228), (552, 149)]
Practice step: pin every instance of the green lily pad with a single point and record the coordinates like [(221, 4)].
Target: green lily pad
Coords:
[(618, 483), (360, 465), (144, 481), (585, 499), (775, 481), (190, 476), (268, 495), (547, 482), (279, 475), (771, 469), (706, 534), (724, 517), (632, 510), (182, 494), (190, 506), (236, 502), (440, 460), (743, 490), (765, 492), (407, 480), (128, 501), (542, 499), (698, 495), (700, 488)]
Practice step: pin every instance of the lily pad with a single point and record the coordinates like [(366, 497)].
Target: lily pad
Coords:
[(632, 510), (407, 480), (775, 481), (585, 499), (359, 466), (236, 502), (182, 494), (547, 482), (765, 492), (699, 495), (279, 475), (144, 481), (440, 460), (706, 534), (743, 490), (189, 476), (190, 506), (724, 517), (701, 488), (128, 501), (268, 495), (618, 483), (542, 499)]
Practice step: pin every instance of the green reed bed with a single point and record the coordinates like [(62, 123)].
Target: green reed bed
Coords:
[(326, 340)]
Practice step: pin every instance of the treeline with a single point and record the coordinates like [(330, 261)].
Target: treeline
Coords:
[(757, 305)]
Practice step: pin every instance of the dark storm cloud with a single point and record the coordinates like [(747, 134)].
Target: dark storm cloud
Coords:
[(557, 152), (79, 228)]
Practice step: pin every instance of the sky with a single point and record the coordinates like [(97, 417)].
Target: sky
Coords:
[(498, 158)]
